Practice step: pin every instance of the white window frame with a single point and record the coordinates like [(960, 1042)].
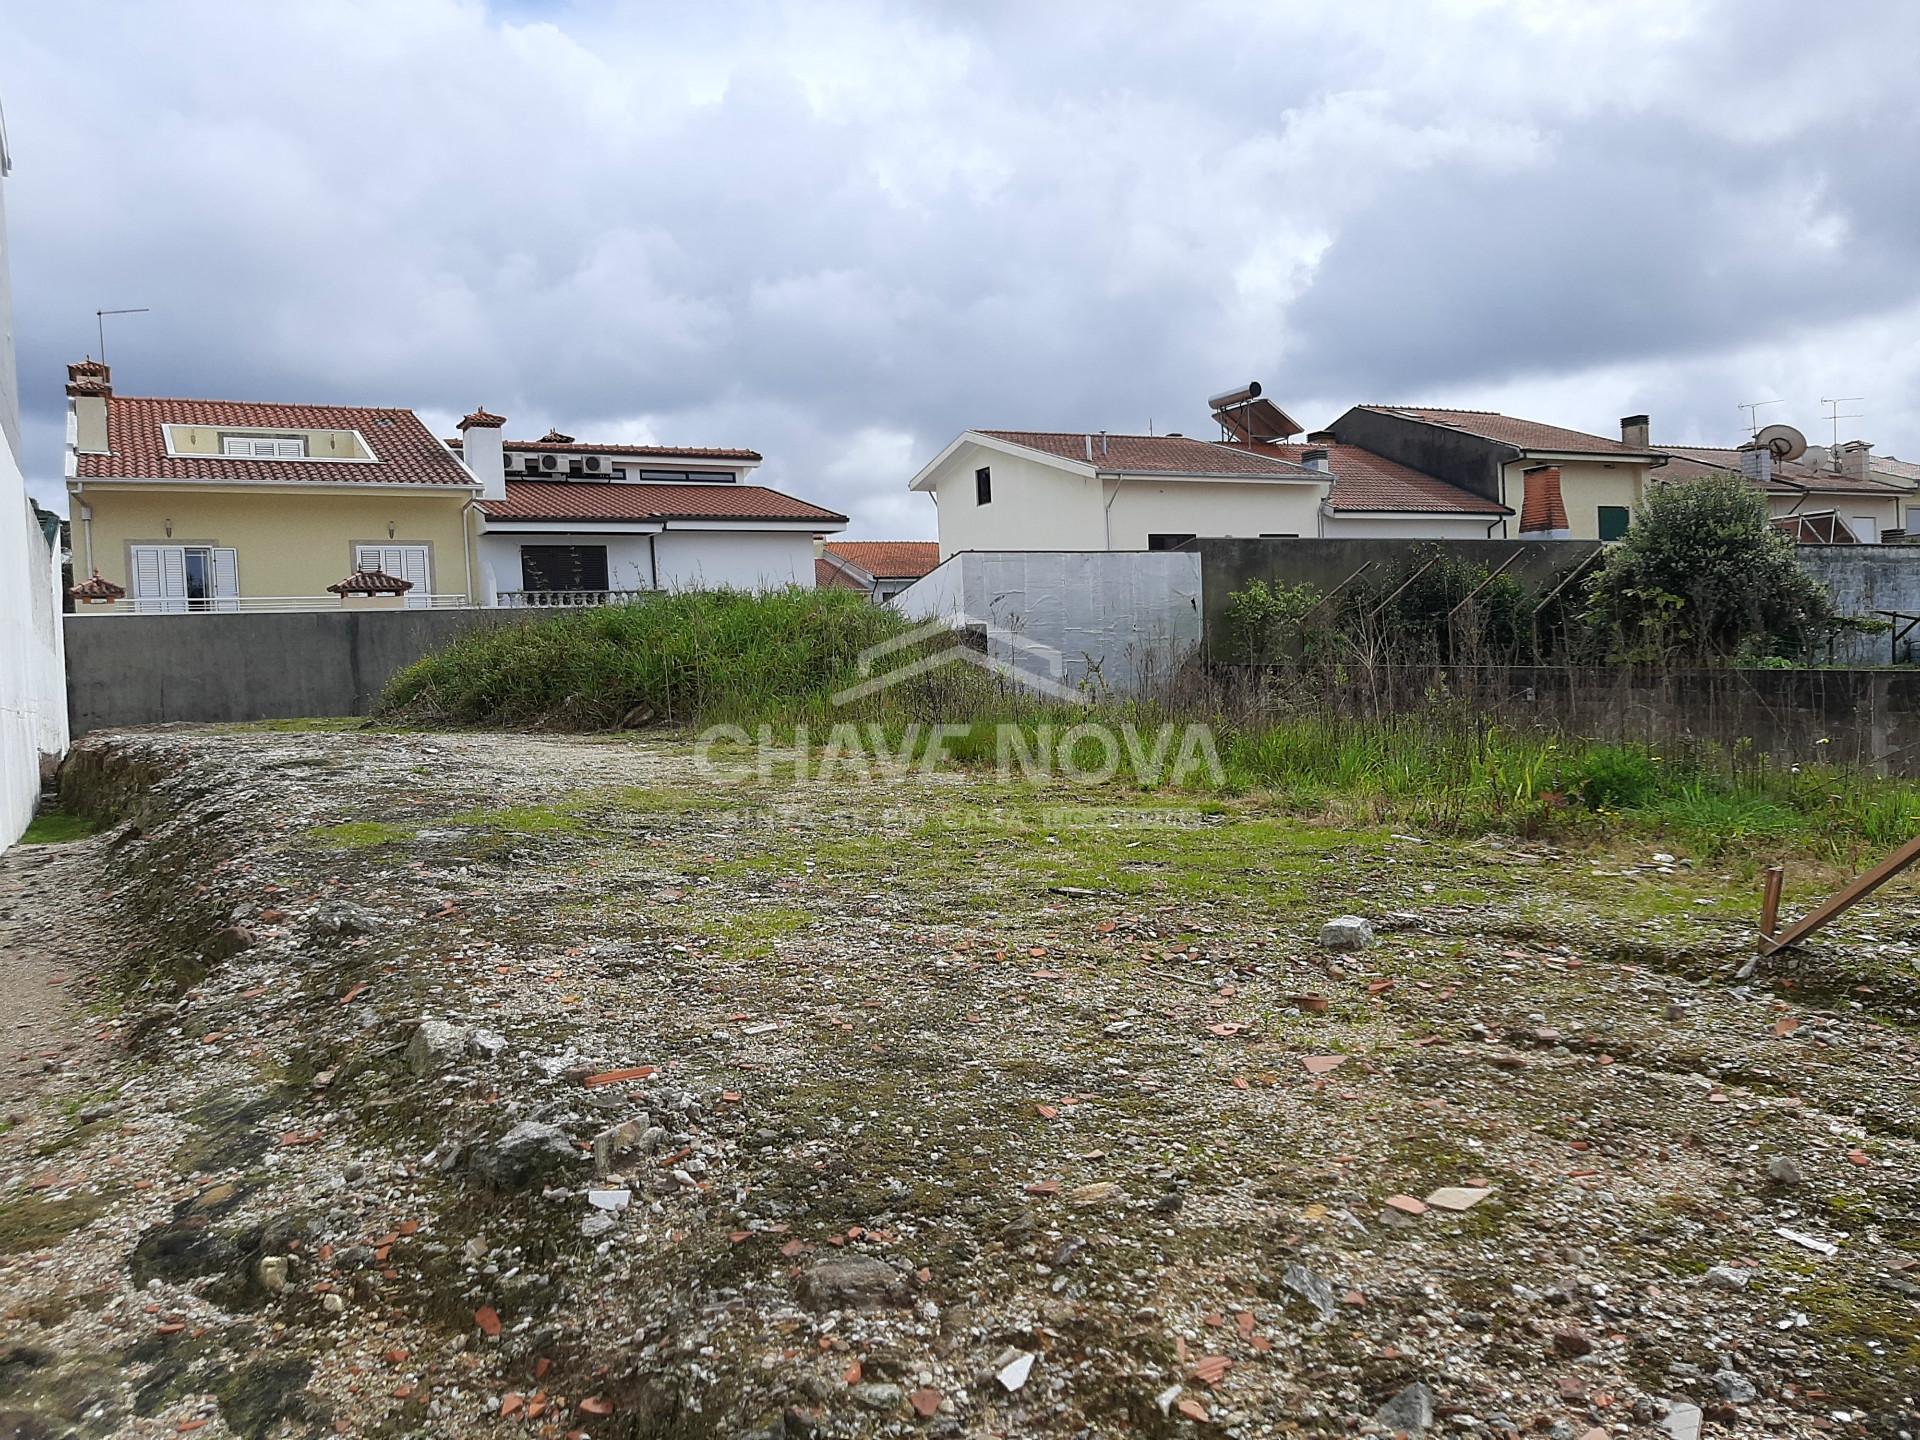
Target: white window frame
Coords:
[(157, 579), (263, 447)]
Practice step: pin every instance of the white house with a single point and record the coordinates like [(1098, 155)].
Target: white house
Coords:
[(33, 696), (1048, 490), (567, 522)]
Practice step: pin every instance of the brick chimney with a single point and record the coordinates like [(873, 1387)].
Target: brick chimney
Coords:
[(1543, 513), (1636, 432), (481, 450), (89, 385), (1856, 460)]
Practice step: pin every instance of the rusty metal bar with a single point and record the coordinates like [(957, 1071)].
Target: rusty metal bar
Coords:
[(1770, 903), (1842, 899)]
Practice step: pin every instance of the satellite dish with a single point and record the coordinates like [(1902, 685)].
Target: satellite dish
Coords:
[(1784, 441)]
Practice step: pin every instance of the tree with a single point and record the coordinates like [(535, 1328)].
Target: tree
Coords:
[(1702, 574)]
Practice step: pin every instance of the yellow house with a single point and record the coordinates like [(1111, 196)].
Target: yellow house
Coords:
[(229, 505)]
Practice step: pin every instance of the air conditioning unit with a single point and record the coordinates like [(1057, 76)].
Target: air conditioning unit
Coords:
[(592, 464), (548, 462)]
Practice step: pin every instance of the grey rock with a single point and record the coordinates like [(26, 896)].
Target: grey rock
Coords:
[(434, 1046), (596, 1222), (878, 1395), (1411, 1410), (271, 1272), (1346, 932), (1735, 1387), (853, 1282), (524, 1154), (1682, 1421), (1312, 1288), (343, 918), (616, 1141), (1726, 1277), (1782, 1171), (490, 1044)]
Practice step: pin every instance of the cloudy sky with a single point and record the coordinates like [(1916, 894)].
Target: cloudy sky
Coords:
[(842, 233)]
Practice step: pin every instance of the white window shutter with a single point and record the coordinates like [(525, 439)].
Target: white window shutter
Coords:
[(226, 579), (366, 557), (173, 578), (146, 577), (235, 445)]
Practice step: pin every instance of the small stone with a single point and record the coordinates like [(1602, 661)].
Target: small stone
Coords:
[(853, 1282), (1675, 1010), (1346, 933), (612, 1200), (525, 1153), (596, 1223), (1014, 1373), (1682, 1422), (434, 1046), (877, 1395), (1411, 1410), (332, 1303), (271, 1272), (1310, 1287), (1572, 1344), (488, 1044), (1782, 1171), (232, 940), (1457, 1197), (1735, 1387), (1726, 1277), (343, 917)]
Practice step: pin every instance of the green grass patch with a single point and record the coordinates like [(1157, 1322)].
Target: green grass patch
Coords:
[(360, 834), (58, 827)]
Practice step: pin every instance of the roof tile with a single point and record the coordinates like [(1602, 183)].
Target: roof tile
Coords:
[(889, 559), (1508, 429), (603, 500), (1154, 454), (1364, 481), (404, 450)]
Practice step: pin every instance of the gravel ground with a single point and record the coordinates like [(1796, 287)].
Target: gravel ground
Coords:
[(405, 1084)]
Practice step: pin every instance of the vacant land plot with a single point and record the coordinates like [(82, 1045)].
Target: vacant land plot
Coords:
[(479, 1084)]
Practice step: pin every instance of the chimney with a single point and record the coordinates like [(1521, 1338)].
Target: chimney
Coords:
[(1856, 460), (1756, 463), (1543, 513), (1636, 432), (1089, 445), (480, 449), (1317, 460), (89, 384)]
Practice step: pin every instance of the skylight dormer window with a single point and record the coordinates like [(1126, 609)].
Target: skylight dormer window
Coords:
[(264, 447)]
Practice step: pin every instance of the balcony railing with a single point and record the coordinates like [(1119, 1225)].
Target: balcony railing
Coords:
[(268, 604), (569, 599)]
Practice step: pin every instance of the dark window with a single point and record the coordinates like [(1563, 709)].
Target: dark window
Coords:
[(983, 486), (1167, 542), (563, 567), (1614, 520)]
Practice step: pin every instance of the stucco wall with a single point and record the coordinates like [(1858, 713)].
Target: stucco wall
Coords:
[(288, 543), (1204, 507), (33, 712), (1585, 485), (735, 559), (1035, 506), (1115, 621), (143, 669), (629, 567)]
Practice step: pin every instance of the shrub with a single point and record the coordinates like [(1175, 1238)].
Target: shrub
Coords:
[(1703, 575)]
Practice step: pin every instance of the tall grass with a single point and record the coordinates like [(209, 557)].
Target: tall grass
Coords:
[(780, 660)]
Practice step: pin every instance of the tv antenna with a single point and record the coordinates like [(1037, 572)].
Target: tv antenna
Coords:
[(1753, 407), (100, 321), (1833, 414)]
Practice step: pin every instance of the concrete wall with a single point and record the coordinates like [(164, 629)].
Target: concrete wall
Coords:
[(1115, 620), (1230, 565), (1864, 579), (143, 669), (287, 543)]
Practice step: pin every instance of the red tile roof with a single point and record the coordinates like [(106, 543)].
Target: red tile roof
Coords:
[(1153, 454), (1525, 434), (1366, 482), (587, 447), (600, 500), (829, 576), (482, 419), (889, 559), (404, 450), (1692, 462), (370, 582), (96, 587)]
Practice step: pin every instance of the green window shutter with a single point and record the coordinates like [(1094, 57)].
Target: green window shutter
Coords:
[(1614, 520)]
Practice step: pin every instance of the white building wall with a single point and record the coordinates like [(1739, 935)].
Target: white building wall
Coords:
[(1036, 506), (734, 559), (629, 566), (1115, 621), (33, 692), (1229, 509)]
